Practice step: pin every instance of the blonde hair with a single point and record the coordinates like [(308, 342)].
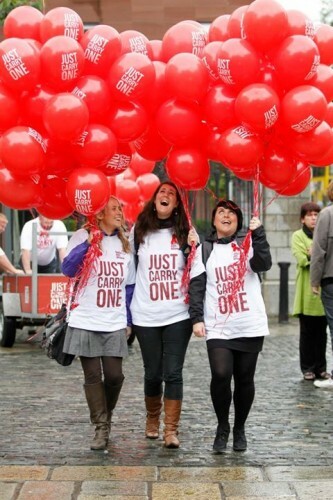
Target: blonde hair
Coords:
[(122, 233)]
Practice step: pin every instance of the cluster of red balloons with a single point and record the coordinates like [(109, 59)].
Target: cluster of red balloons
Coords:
[(83, 114)]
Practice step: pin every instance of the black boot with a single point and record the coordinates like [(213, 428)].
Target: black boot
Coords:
[(240, 443), (221, 438), (111, 396)]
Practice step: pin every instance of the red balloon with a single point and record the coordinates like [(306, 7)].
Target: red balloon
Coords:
[(156, 50), (186, 77), (188, 168), (240, 147), (324, 160), (324, 41), (323, 80), (102, 46), (62, 62), (178, 122), (95, 92), (303, 108), (134, 41), (257, 106), (23, 22), (296, 60), (233, 56), (265, 24), (300, 24), (65, 117), (148, 183), (127, 120), (235, 23), (210, 138), (246, 174), (61, 21), (19, 65), (131, 211), (329, 114), (87, 190), (128, 174), (32, 107), (219, 106), (277, 167), (131, 76), (209, 58), (140, 165), (119, 162), (159, 92), (299, 182), (54, 204), (218, 29), (96, 145), (59, 160), (19, 193), (22, 151), (313, 144), (183, 37), (9, 109), (127, 191), (150, 145)]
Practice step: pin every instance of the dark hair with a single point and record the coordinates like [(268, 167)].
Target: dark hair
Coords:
[(310, 206), (231, 206), (148, 221)]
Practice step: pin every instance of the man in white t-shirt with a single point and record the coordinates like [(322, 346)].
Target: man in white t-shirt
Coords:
[(49, 241), (5, 264)]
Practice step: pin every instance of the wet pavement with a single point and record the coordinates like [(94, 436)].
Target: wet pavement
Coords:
[(45, 433)]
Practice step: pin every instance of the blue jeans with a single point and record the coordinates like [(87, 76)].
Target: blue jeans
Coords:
[(163, 350)]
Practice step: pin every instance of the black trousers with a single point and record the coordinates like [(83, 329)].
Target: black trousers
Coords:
[(163, 350), (312, 343)]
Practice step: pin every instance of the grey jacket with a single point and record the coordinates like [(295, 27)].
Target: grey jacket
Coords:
[(321, 264)]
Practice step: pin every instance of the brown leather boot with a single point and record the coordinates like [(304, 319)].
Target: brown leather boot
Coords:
[(95, 396), (111, 395), (153, 407), (172, 409)]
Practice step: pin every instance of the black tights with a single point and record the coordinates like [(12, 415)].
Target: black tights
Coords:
[(225, 364), (94, 368)]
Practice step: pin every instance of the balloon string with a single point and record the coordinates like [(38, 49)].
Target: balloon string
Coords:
[(185, 281)]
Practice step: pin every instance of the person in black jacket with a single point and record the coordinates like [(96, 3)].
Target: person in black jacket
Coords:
[(227, 307)]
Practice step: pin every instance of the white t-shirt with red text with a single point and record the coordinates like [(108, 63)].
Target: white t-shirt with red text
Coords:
[(158, 299), (102, 303), (245, 314), (47, 241)]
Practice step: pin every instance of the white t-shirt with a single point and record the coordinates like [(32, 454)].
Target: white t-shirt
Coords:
[(1, 252), (102, 303), (158, 299), (247, 317), (47, 241)]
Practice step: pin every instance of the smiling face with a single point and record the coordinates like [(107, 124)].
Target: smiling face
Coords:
[(111, 217), (165, 201), (225, 222)]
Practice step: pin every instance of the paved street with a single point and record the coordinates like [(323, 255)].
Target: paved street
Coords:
[(45, 433)]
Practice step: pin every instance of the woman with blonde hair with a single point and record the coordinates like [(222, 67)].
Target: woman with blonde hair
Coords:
[(98, 258)]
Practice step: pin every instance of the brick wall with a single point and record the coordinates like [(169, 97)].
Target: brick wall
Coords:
[(150, 17)]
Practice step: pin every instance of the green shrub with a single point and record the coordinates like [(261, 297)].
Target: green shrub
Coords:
[(7, 5)]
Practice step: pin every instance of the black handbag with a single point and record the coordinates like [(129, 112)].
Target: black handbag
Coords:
[(54, 338)]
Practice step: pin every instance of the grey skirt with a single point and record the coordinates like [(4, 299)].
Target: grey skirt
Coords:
[(94, 344)]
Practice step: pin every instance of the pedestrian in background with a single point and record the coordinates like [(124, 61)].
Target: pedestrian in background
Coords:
[(226, 306), (321, 268), (49, 242), (99, 256), (308, 306), (5, 265), (160, 239)]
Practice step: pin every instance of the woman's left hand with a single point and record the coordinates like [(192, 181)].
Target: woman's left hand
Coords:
[(192, 237), (254, 223), (128, 331)]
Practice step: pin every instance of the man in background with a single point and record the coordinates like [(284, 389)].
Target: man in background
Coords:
[(5, 265), (49, 242)]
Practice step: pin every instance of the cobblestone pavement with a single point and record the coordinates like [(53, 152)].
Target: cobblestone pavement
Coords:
[(45, 433)]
